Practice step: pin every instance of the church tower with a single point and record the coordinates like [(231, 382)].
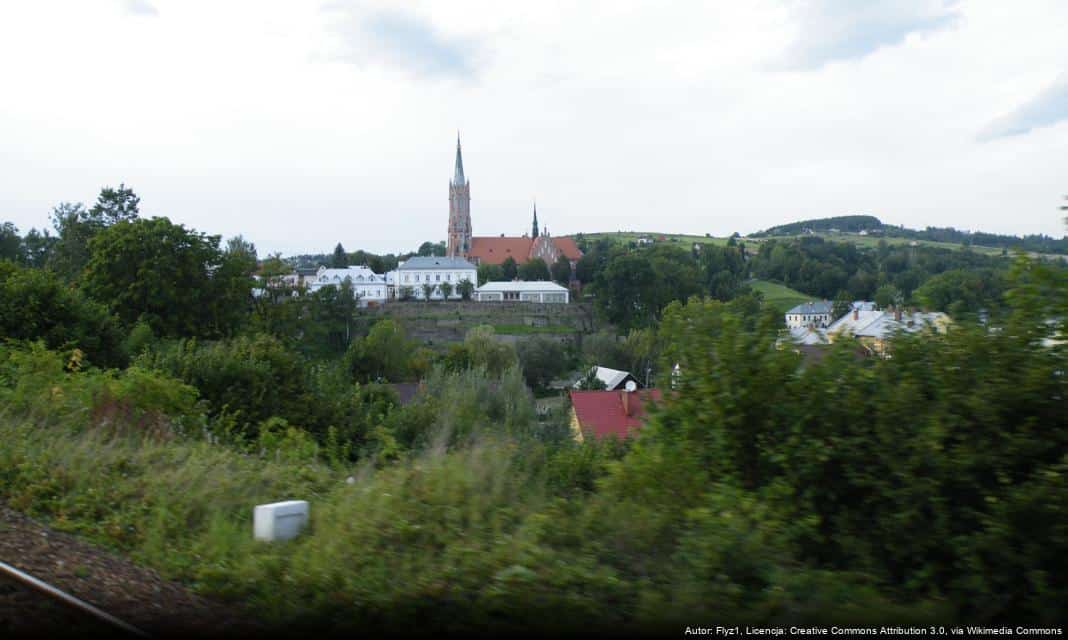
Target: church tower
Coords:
[(459, 210)]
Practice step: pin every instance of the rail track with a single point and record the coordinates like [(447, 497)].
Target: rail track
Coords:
[(29, 605)]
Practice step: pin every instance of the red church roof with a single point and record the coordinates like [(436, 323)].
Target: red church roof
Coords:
[(494, 250), (491, 250), (602, 413), (567, 246)]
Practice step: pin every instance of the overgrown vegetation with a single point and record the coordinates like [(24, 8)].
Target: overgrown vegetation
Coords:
[(926, 487)]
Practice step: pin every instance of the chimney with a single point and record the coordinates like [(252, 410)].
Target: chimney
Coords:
[(856, 313), (625, 395), (897, 313)]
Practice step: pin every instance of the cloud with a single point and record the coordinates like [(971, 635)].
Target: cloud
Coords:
[(1047, 108), (830, 30), (139, 8), (399, 39)]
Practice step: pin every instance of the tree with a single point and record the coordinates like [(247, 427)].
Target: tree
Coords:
[(888, 295), (534, 269), (432, 249), (406, 293), (489, 273), (172, 277), (561, 270), (446, 290), (428, 291), (73, 230), (590, 382), (36, 305), (340, 259), (842, 305), (115, 205), (11, 243), (385, 354), (542, 360), (37, 247), (466, 289), (509, 270)]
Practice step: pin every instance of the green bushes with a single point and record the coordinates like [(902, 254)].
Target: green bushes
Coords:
[(36, 305)]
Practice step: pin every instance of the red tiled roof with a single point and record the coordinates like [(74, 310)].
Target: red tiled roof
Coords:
[(494, 250), (601, 412), (490, 250), (567, 246)]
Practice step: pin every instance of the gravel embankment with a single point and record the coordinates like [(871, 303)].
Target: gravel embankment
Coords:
[(132, 593)]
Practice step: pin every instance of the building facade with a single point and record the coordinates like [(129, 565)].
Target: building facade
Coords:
[(519, 291), (415, 273), (368, 286)]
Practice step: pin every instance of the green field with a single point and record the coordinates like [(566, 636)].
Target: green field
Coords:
[(624, 237), (781, 297), (526, 329), (870, 242)]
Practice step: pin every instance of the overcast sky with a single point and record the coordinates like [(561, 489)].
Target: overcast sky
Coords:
[(302, 124)]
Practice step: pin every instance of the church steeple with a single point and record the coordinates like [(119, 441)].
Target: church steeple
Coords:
[(459, 210), (534, 228), (458, 179)]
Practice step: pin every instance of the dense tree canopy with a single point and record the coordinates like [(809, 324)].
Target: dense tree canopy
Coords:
[(176, 280)]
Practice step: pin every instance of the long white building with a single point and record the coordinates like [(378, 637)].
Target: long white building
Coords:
[(537, 291)]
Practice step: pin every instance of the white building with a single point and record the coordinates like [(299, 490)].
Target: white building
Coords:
[(537, 291), (368, 286), (416, 272), (810, 314)]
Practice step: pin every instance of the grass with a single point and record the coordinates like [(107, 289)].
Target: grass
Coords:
[(526, 329), (779, 296), (871, 242), (683, 239)]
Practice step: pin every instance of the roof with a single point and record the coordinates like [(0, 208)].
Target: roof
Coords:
[(820, 307), (520, 285), (434, 262), (886, 324), (881, 324), (849, 325), (495, 250), (567, 246), (611, 378), (458, 177), (806, 336), (327, 275), (601, 413)]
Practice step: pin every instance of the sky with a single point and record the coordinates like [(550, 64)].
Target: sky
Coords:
[(303, 124)]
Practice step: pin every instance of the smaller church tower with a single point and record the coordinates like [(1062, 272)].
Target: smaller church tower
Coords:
[(534, 228), (459, 210)]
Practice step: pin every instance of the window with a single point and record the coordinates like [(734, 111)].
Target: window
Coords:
[(437, 277), (448, 277), (406, 277)]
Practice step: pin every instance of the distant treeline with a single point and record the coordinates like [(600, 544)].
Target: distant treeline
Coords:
[(855, 224)]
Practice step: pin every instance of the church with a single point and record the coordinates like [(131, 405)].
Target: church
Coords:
[(495, 250)]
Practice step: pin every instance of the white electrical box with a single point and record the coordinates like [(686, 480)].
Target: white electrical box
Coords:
[(280, 520)]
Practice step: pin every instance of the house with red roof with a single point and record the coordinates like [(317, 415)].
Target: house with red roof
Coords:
[(602, 414)]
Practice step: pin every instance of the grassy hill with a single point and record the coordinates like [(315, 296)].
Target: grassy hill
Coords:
[(624, 237), (781, 297)]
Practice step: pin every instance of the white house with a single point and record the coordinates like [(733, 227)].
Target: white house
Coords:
[(810, 314), (369, 286), (613, 379), (537, 291), (415, 272)]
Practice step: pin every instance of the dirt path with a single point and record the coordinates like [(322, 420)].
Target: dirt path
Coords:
[(132, 593)]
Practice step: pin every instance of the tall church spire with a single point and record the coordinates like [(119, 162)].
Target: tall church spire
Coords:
[(534, 228), (459, 210), (458, 179)]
